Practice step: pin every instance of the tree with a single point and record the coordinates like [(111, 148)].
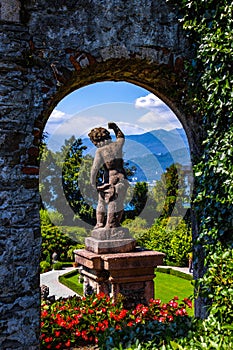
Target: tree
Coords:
[(64, 181), (169, 192), (171, 236)]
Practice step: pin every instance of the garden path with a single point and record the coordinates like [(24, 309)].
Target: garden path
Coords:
[(50, 279), (181, 269)]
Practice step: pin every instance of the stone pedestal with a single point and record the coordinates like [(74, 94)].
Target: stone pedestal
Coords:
[(110, 240), (130, 274)]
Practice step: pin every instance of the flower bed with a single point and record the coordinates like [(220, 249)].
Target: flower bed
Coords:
[(78, 321)]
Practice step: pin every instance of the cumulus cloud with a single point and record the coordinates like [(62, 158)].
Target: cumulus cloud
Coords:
[(58, 117), (159, 116), (150, 101), (160, 120)]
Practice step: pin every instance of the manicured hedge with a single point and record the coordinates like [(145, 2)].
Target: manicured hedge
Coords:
[(76, 287)]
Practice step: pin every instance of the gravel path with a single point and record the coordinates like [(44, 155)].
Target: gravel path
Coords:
[(50, 279)]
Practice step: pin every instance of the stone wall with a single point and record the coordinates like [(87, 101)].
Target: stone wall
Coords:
[(48, 49)]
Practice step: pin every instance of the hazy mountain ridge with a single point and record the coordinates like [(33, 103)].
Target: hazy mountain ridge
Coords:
[(153, 152), (150, 167)]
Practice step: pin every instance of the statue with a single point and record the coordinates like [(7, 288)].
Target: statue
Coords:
[(112, 190)]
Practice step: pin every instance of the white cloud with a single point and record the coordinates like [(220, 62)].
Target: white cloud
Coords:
[(165, 120), (150, 101), (159, 116), (58, 117)]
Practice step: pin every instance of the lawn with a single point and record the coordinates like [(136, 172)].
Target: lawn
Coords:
[(166, 285), (71, 281)]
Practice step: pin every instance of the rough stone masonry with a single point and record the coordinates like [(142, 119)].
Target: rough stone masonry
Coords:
[(48, 49)]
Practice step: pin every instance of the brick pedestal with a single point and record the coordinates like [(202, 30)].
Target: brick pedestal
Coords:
[(130, 274)]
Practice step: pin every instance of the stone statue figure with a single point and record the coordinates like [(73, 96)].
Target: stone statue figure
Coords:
[(112, 190)]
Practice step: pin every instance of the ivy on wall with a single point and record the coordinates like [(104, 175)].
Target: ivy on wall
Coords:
[(210, 28)]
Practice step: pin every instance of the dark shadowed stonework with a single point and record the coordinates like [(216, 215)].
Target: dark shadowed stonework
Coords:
[(48, 49)]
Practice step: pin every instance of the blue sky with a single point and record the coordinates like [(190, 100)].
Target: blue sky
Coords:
[(135, 109)]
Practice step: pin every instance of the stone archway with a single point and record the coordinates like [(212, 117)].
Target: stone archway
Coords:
[(52, 49)]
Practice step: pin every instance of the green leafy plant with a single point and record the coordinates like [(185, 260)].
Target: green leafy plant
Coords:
[(58, 265), (171, 236), (209, 98), (44, 266), (79, 321), (53, 240)]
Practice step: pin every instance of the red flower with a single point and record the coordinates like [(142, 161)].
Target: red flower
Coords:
[(48, 339), (101, 295), (57, 333), (188, 302), (105, 322), (67, 344), (44, 313), (138, 320), (173, 304), (145, 310)]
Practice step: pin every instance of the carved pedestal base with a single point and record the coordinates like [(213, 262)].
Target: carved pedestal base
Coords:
[(110, 240), (130, 274)]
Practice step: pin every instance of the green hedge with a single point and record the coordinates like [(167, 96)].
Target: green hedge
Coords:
[(173, 272), (75, 286)]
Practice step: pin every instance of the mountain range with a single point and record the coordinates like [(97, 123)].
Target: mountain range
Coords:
[(153, 152)]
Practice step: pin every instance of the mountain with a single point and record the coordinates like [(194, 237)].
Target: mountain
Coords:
[(150, 167), (153, 152), (158, 141)]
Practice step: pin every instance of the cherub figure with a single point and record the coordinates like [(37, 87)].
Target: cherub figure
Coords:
[(112, 191)]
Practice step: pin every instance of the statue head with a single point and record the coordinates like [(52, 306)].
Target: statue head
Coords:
[(99, 136)]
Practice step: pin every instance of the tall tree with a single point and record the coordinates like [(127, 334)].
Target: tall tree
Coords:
[(169, 192), (64, 180)]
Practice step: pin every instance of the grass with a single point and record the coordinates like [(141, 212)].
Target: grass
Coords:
[(70, 280), (168, 285)]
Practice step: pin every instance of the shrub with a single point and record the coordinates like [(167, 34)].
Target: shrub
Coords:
[(58, 265), (44, 266), (79, 321), (170, 236), (137, 227), (53, 240), (75, 286), (55, 217)]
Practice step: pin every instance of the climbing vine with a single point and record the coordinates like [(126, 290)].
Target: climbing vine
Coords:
[(210, 28)]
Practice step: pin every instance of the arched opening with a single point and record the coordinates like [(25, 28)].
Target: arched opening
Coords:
[(155, 141)]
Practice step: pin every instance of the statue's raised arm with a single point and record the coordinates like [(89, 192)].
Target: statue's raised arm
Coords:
[(119, 134)]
